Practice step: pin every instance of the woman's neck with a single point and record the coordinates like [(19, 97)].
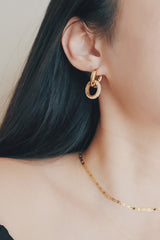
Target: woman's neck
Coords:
[(124, 156)]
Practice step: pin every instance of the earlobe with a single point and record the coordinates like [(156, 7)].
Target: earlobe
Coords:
[(79, 46)]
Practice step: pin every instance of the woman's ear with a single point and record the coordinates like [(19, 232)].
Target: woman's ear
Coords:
[(80, 46)]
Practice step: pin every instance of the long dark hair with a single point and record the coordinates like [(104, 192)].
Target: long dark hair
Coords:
[(49, 114)]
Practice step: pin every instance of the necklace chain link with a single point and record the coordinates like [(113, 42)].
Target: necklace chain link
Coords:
[(112, 198)]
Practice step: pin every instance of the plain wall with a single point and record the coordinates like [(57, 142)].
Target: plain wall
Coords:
[(19, 24)]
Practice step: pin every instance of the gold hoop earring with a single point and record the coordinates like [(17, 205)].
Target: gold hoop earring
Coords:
[(93, 83)]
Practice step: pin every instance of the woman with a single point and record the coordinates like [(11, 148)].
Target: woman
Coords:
[(79, 144)]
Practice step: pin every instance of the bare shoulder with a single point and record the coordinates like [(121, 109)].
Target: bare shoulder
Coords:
[(32, 189), (28, 185), (38, 196), (12, 166), (34, 171), (22, 180)]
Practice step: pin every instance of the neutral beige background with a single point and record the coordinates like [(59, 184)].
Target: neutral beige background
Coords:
[(19, 23)]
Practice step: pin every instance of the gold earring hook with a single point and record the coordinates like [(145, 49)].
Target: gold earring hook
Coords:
[(93, 78)]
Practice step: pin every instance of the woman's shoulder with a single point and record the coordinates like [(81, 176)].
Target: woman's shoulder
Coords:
[(18, 173), (10, 167), (12, 172), (34, 189), (23, 180)]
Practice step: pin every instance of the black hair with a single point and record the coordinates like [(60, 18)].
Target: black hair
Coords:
[(49, 113)]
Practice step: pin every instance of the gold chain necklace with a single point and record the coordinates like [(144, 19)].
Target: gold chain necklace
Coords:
[(108, 196)]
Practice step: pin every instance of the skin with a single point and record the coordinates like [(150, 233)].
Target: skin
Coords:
[(123, 156)]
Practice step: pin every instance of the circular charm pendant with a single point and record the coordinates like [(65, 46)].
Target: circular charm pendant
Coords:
[(87, 90)]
